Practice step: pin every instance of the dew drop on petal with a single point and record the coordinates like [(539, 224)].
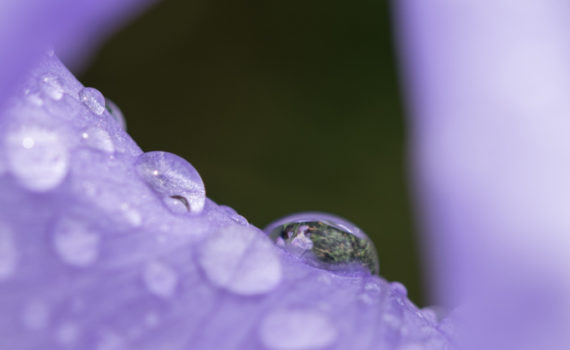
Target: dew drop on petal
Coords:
[(51, 85), (233, 215), (325, 241), (174, 180), (297, 330), (93, 99), (160, 279), (110, 341), (35, 315), (8, 253), (33, 97), (240, 260), (98, 139), (75, 243), (67, 333), (132, 215), (398, 288), (37, 157), (116, 113)]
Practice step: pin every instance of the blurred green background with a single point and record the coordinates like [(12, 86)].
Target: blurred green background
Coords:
[(282, 106)]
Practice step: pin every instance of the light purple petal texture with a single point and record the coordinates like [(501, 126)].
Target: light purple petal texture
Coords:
[(27, 26), (489, 83), (92, 257)]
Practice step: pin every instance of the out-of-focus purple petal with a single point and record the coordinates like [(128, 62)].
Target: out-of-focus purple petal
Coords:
[(489, 85), (93, 257), (27, 27)]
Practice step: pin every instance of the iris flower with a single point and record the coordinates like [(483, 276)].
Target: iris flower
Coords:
[(105, 247)]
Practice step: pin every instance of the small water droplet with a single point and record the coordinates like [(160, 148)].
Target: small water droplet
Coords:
[(8, 252), (297, 330), (174, 179), (110, 341), (33, 97), (234, 215), (428, 314), (151, 320), (52, 86), (93, 99), (98, 139), (240, 260), (398, 288), (75, 243), (35, 315), (160, 279), (67, 333), (131, 214), (37, 157), (116, 113), (325, 241)]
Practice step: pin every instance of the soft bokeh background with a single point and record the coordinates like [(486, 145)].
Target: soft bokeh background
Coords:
[(282, 106)]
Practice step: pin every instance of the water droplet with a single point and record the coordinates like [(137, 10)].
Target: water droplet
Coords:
[(398, 288), (239, 259), (234, 215), (325, 241), (33, 97), (51, 85), (67, 333), (297, 330), (151, 320), (174, 179), (37, 157), (93, 99), (371, 293), (131, 214), (8, 253), (75, 243), (35, 315), (98, 139), (116, 113), (110, 341), (160, 279)]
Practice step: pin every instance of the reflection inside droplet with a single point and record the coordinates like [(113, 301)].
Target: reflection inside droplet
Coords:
[(325, 241)]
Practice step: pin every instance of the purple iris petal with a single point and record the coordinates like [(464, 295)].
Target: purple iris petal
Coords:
[(27, 27), (92, 258), (489, 84)]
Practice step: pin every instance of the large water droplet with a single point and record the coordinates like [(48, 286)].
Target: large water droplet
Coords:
[(160, 279), (325, 241), (75, 243), (116, 113), (297, 330), (37, 157), (174, 179), (8, 252), (98, 139), (52, 86), (240, 260), (93, 99)]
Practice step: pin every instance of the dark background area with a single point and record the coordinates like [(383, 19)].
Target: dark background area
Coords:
[(282, 106)]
